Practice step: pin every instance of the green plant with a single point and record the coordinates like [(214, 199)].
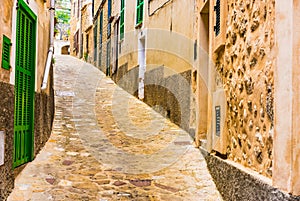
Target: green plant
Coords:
[(85, 55)]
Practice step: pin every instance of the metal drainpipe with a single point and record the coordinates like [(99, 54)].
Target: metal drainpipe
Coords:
[(51, 47)]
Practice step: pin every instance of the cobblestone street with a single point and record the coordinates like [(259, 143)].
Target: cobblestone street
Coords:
[(107, 145)]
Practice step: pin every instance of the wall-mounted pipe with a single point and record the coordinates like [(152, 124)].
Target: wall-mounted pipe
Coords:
[(51, 47)]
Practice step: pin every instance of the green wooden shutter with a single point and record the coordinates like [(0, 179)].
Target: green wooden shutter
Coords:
[(217, 9), (122, 19), (24, 86), (139, 11), (6, 53), (95, 39), (101, 38)]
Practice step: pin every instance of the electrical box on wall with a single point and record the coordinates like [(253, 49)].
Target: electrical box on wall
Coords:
[(219, 140), (2, 147)]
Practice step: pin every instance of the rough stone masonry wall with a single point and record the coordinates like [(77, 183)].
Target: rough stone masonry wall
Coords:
[(7, 125), (105, 38), (44, 115), (246, 67)]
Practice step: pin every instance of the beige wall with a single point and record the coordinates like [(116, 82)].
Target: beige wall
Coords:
[(169, 36), (43, 27)]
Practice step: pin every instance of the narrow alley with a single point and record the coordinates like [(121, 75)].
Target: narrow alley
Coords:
[(108, 145)]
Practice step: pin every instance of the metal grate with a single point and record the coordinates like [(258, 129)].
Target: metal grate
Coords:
[(217, 9)]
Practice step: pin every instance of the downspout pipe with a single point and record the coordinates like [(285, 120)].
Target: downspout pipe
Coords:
[(51, 47)]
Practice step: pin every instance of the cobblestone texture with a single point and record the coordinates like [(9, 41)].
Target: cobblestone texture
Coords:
[(107, 145)]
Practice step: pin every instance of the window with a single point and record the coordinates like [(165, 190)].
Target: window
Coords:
[(101, 27), (109, 16), (78, 8), (139, 11), (87, 43), (95, 39), (74, 9), (93, 8), (122, 19), (6, 53), (217, 9), (109, 9), (100, 38), (220, 11)]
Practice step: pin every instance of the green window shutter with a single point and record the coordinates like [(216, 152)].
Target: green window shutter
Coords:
[(6, 53), (122, 19), (139, 11), (217, 9), (95, 39)]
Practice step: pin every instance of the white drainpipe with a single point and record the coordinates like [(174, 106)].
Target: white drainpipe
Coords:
[(51, 48)]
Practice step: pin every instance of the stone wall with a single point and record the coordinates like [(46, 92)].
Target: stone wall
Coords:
[(237, 185), (7, 125), (44, 115), (169, 95), (246, 66), (127, 79)]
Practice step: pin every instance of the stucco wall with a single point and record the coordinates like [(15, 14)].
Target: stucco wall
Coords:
[(246, 67)]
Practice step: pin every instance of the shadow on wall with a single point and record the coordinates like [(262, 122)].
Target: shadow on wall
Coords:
[(170, 95)]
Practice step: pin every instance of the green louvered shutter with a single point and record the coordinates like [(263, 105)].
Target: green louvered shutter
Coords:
[(6, 53), (24, 86), (139, 11), (122, 19), (95, 39)]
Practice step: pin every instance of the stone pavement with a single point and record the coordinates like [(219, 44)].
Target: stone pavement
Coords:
[(107, 145)]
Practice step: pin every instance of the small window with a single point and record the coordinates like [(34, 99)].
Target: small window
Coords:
[(6, 53), (122, 20), (139, 11), (217, 9), (219, 20), (109, 19)]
